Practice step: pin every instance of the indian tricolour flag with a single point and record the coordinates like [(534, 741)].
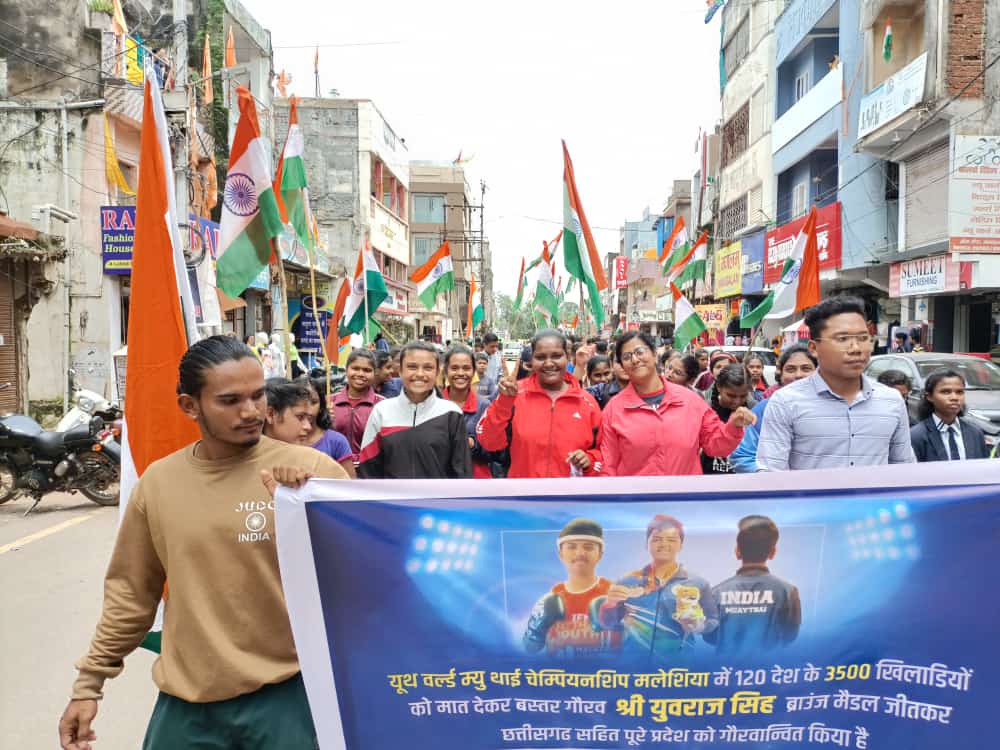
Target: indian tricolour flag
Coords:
[(675, 247), (798, 287), (435, 277), (693, 268), (688, 324), (161, 322), (293, 191), (545, 294), (250, 215), (476, 312), (367, 292), (579, 248)]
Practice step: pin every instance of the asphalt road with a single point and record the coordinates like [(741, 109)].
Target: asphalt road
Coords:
[(51, 573)]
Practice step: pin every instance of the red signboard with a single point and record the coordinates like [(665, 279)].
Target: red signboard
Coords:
[(621, 272), (779, 242)]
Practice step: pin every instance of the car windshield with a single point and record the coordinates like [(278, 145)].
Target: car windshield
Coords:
[(978, 373)]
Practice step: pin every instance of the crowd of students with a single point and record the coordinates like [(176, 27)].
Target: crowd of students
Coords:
[(625, 407), (567, 409)]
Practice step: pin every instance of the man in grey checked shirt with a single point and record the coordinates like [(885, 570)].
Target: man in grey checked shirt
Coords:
[(836, 417)]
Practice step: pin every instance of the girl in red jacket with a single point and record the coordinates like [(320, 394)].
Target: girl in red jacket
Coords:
[(551, 425)]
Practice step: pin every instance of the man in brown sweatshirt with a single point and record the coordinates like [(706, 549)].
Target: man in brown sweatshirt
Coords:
[(203, 518)]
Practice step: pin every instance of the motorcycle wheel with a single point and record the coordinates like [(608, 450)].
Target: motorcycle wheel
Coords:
[(8, 483), (100, 479)]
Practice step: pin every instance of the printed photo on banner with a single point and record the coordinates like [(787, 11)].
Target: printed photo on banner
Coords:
[(555, 617)]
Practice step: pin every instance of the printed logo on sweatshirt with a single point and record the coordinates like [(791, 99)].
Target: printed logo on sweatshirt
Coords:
[(254, 520)]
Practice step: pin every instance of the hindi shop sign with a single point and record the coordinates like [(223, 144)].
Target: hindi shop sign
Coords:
[(117, 239), (621, 272), (728, 270), (476, 638), (974, 194), (938, 273), (778, 243)]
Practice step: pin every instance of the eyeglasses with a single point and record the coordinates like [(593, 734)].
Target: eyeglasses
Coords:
[(639, 351), (844, 340)]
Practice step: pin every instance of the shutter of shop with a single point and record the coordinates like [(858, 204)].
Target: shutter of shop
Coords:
[(927, 197)]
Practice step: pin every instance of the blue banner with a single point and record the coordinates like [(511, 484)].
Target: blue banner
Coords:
[(805, 609), (753, 263)]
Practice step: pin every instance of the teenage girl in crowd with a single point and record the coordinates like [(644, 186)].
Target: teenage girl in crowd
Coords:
[(551, 425)]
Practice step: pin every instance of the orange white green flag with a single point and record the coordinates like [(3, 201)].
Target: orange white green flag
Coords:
[(250, 215)]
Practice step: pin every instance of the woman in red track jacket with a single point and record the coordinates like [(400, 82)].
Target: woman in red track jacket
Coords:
[(551, 425)]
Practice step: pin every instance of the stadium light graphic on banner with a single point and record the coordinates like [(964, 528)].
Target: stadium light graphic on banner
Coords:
[(444, 548)]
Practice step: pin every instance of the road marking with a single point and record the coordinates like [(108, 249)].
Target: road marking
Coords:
[(26, 540)]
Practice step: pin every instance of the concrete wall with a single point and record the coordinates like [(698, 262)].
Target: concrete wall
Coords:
[(868, 222), (339, 175)]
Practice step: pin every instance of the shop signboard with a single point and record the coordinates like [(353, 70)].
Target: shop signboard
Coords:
[(728, 271), (895, 95), (933, 275), (715, 321), (117, 239), (974, 194), (779, 242), (753, 263), (621, 272)]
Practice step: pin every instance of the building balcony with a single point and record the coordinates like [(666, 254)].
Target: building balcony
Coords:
[(389, 233), (819, 100)]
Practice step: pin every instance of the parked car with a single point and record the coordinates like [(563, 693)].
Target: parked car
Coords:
[(982, 383), (770, 361)]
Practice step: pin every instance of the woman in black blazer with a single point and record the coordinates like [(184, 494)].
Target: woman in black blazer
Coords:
[(941, 431)]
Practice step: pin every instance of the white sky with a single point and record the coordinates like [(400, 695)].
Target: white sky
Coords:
[(627, 84)]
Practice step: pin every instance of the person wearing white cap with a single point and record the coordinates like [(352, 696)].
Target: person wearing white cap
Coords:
[(561, 621)]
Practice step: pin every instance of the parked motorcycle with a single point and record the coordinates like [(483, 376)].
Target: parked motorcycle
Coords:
[(88, 404), (35, 462)]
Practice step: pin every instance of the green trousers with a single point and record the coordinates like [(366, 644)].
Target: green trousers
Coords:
[(276, 716)]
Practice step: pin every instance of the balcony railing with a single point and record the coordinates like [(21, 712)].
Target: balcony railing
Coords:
[(819, 100)]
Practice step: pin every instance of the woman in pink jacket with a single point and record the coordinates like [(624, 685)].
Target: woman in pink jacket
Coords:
[(657, 428)]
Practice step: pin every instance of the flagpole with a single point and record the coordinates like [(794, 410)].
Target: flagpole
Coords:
[(319, 328), (283, 310), (364, 281)]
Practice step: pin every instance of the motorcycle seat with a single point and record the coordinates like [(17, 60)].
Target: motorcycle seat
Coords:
[(49, 443)]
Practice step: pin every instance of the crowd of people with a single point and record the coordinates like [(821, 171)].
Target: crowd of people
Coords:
[(624, 407), (566, 408)]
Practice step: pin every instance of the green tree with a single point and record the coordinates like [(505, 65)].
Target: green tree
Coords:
[(519, 325)]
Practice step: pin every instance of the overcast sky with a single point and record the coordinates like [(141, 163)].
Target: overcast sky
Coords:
[(627, 84)]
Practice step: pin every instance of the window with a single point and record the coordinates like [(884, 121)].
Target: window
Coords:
[(801, 85), (800, 199), (891, 171), (732, 219), (428, 208), (424, 246), (735, 135), (737, 48)]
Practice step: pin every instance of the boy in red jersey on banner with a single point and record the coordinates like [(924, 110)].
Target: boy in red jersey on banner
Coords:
[(561, 621)]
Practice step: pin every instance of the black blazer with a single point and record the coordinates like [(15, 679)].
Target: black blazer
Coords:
[(928, 445)]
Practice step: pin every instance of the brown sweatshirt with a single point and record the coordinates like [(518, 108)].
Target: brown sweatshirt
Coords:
[(208, 527)]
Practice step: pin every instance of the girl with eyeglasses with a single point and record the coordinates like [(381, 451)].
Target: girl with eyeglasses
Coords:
[(655, 427)]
